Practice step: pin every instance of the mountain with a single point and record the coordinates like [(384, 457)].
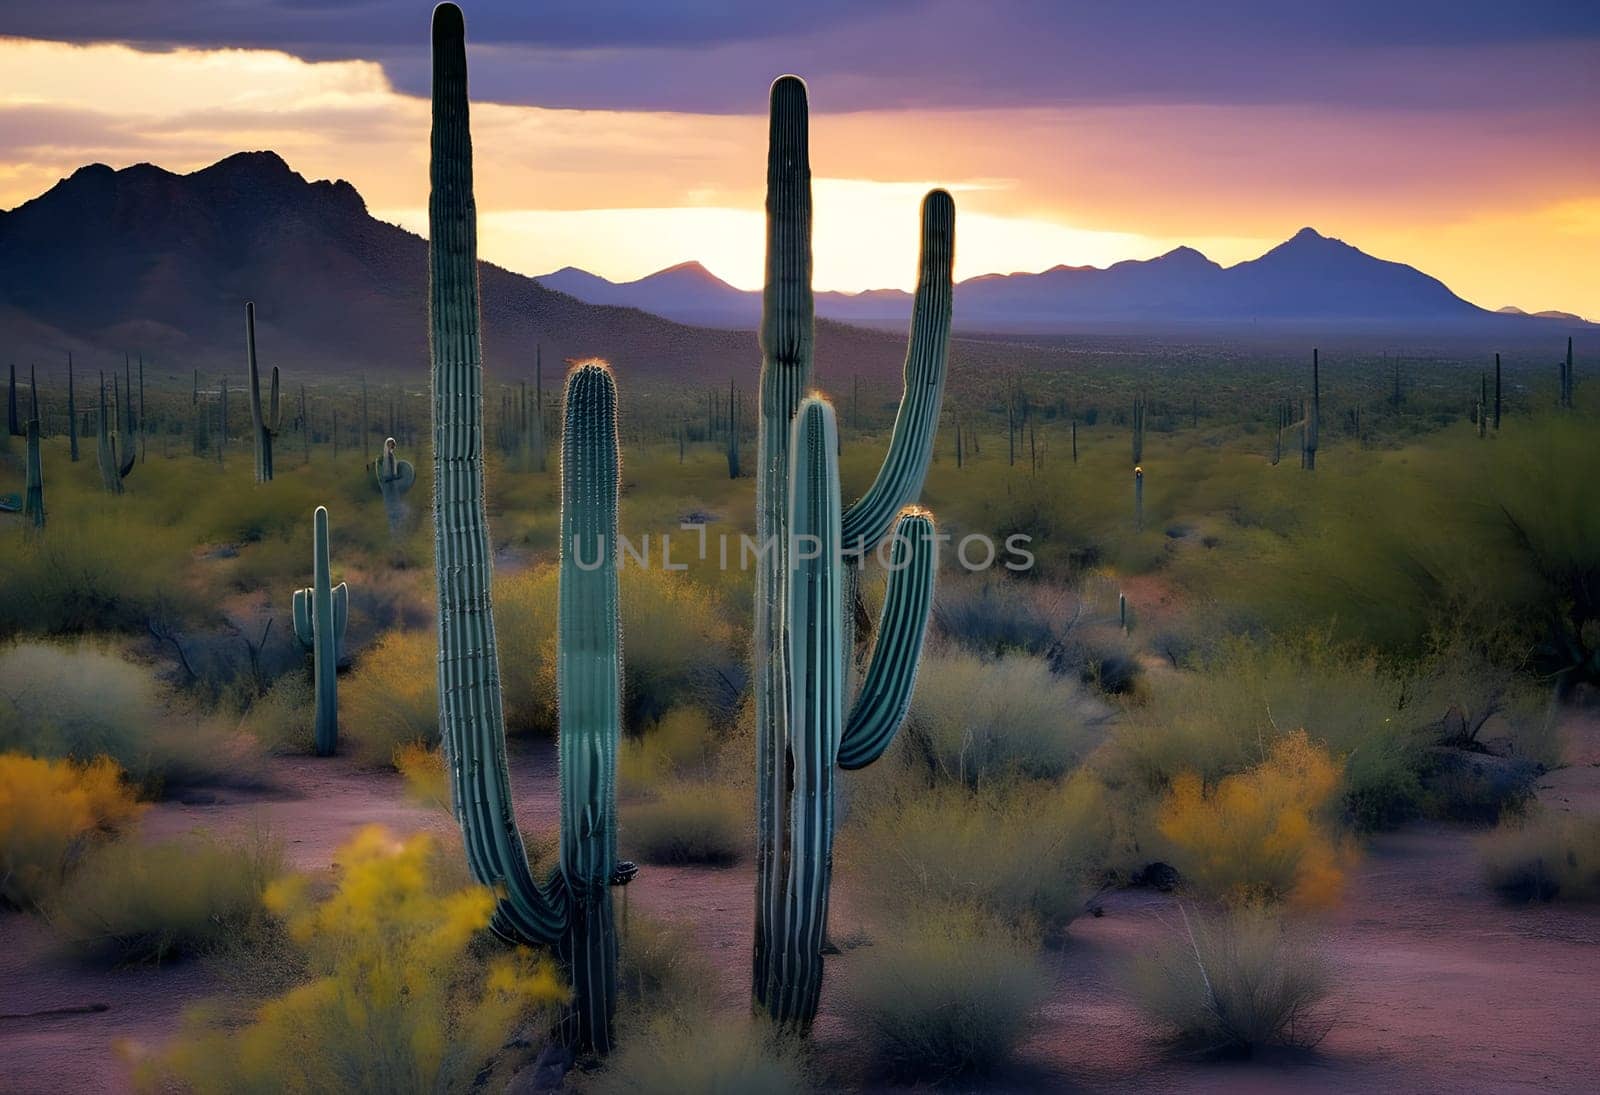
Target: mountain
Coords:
[(1308, 280), (142, 259), (1548, 313)]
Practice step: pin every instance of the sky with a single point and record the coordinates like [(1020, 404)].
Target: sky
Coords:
[(623, 136)]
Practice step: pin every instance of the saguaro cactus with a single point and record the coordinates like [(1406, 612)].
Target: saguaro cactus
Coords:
[(395, 478), (572, 910), (1497, 393), (320, 613), (72, 412), (1138, 498), (1308, 452), (801, 630), (33, 505), (1138, 429), (264, 427), (113, 451), (13, 420)]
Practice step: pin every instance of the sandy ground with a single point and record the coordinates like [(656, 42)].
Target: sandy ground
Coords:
[(1441, 987)]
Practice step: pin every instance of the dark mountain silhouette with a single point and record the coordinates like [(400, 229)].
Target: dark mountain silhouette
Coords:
[(1308, 280), (145, 260)]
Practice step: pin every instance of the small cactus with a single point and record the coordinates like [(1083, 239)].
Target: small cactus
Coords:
[(264, 426), (320, 614), (395, 478)]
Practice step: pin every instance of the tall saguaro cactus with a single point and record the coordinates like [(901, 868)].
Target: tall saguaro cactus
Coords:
[(72, 412), (320, 614), (801, 630), (33, 504), (1313, 418), (572, 910), (264, 426)]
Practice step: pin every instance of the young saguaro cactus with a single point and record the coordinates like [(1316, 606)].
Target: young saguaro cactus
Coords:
[(395, 478), (801, 629), (572, 910), (114, 452), (265, 426), (320, 614)]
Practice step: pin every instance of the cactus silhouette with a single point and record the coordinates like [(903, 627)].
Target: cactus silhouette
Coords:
[(264, 426), (801, 625), (395, 478), (114, 451), (572, 910), (33, 506), (320, 614)]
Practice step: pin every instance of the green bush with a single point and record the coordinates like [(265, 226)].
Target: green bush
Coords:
[(1544, 858), (1232, 984), (973, 720), (949, 995), (83, 701), (680, 744), (1032, 854), (678, 1053), (133, 902), (51, 813), (687, 822)]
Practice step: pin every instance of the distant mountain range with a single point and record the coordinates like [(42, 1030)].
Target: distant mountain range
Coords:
[(1309, 280), (149, 261)]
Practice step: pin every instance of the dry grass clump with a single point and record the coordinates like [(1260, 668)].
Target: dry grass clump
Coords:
[(675, 1053), (392, 698), (1233, 983), (1547, 857), (686, 822)]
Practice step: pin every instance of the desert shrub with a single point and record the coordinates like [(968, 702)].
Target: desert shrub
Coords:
[(995, 616), (83, 701), (1234, 983), (659, 969), (676, 1053), (402, 995), (949, 995), (681, 649), (423, 769), (974, 720), (1032, 854), (392, 697), (1543, 858), (687, 822), (51, 811), (1262, 834), (282, 720), (1225, 717), (1100, 654), (680, 744), (135, 902), (89, 581)]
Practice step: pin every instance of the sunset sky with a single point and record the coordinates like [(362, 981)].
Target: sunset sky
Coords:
[(626, 135)]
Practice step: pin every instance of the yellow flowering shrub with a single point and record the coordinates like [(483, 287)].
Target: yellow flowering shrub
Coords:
[(404, 996), (1261, 834), (49, 811)]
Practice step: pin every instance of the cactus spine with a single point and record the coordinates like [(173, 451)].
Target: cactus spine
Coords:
[(800, 626), (264, 427), (573, 909), (320, 613), (113, 451)]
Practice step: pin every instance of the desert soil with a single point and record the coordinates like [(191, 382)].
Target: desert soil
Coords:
[(1441, 987)]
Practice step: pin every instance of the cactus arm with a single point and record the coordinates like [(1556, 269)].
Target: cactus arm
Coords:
[(589, 687), (905, 465), (472, 723), (341, 614), (885, 693), (301, 614)]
